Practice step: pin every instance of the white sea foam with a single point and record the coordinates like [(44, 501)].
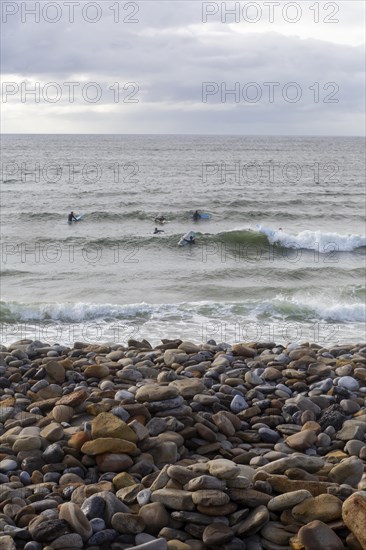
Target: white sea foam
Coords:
[(314, 240)]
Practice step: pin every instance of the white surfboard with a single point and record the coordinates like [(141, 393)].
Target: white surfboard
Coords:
[(186, 238)]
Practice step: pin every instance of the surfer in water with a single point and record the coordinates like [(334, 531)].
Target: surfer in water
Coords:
[(196, 216), (156, 230), (191, 240), (71, 217), (160, 219)]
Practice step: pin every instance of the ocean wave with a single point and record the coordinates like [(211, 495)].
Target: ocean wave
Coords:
[(329, 244), (306, 308), (302, 309), (314, 240)]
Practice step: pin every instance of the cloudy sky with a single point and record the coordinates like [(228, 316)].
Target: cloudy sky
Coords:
[(192, 67)]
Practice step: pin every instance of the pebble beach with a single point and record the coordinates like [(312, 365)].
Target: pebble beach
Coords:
[(182, 446)]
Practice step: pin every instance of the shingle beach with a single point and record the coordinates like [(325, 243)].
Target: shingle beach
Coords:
[(182, 446)]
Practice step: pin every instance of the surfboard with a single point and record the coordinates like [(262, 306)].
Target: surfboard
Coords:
[(202, 216), (186, 238), (77, 218)]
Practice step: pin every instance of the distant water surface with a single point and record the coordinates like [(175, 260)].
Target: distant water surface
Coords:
[(281, 257)]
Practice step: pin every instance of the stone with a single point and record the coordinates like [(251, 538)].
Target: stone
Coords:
[(97, 524), (204, 482), (103, 537), (108, 425), (53, 432), (350, 431), (188, 387), (73, 540), (113, 462), (302, 441), (189, 347), (172, 356), (164, 453), (143, 497), (5, 413), (153, 392), (108, 445), (127, 523), (27, 443), (249, 497), (324, 507), (96, 371), (318, 535), (55, 373), (43, 530), (223, 468), (76, 519), (255, 521), (216, 511), (348, 382), (217, 534), (62, 413), (181, 474), (93, 507), (175, 544), (174, 498), (275, 533), (161, 407), (348, 471), (53, 454), (155, 516), (7, 543), (73, 399), (112, 505), (78, 439), (287, 500), (123, 480), (354, 516), (353, 447), (140, 430), (8, 464), (238, 404), (157, 544), (243, 350), (210, 497)]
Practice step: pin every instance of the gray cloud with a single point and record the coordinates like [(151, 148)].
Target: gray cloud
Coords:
[(169, 54)]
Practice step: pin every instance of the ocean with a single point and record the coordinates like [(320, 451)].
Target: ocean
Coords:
[(280, 259)]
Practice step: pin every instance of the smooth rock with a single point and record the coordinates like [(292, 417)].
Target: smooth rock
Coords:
[(318, 535), (174, 498), (354, 516), (324, 507), (155, 516), (76, 519), (108, 425), (217, 534), (108, 445), (348, 471)]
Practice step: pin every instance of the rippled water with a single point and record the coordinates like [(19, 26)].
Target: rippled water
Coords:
[(281, 257)]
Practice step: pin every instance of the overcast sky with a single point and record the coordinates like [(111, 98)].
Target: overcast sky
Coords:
[(174, 61)]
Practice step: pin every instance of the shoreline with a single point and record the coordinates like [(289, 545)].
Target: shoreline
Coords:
[(182, 446)]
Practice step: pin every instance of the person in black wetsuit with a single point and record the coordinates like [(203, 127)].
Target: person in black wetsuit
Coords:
[(158, 231), (71, 217), (196, 216)]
